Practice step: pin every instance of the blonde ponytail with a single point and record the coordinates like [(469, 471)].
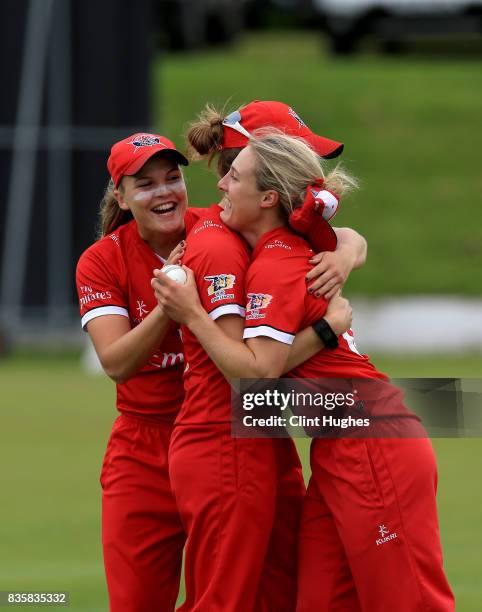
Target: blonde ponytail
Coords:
[(340, 182)]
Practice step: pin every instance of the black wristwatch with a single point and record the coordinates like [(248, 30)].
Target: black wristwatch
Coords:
[(326, 334)]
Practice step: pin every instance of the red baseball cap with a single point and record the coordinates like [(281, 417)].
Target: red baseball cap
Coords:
[(129, 155), (258, 114), (311, 218)]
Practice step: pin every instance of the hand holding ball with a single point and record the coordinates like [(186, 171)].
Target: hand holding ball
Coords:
[(175, 273), (180, 303)]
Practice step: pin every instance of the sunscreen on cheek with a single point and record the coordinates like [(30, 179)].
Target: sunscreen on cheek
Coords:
[(160, 191)]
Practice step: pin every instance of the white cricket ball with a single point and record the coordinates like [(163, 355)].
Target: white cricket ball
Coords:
[(176, 273)]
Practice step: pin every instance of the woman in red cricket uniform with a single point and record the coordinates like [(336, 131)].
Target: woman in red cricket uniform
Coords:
[(240, 500), (144, 216), (369, 534)]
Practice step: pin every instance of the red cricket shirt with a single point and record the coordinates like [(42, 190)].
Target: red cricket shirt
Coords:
[(278, 306), (114, 277), (219, 259)]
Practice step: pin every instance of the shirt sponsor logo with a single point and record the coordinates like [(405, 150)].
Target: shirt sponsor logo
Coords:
[(167, 360), (385, 535), (257, 302), (278, 244), (208, 224), (219, 287), (91, 296)]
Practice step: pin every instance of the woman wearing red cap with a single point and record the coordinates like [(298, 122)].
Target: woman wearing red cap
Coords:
[(224, 570), (144, 216), (369, 534), (224, 136)]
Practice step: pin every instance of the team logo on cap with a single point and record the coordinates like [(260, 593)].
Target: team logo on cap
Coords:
[(257, 302), (145, 140), (220, 284), (296, 116)]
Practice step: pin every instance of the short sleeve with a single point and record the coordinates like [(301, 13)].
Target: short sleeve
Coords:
[(275, 300), (98, 289), (220, 274)]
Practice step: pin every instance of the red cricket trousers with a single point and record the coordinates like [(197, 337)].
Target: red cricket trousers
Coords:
[(369, 538), (142, 534), (278, 587), (230, 493)]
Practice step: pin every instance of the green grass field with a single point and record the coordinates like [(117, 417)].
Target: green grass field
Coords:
[(55, 423), (413, 136), (410, 126)]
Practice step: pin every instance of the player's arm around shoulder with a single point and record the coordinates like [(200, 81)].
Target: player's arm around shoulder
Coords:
[(278, 284), (307, 343), (332, 268)]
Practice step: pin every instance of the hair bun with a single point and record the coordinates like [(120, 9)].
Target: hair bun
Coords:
[(206, 134)]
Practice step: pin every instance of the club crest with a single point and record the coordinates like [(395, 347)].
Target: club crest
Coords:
[(219, 286), (257, 302), (144, 140)]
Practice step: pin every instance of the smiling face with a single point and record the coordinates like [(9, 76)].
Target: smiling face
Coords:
[(243, 202), (156, 197)]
